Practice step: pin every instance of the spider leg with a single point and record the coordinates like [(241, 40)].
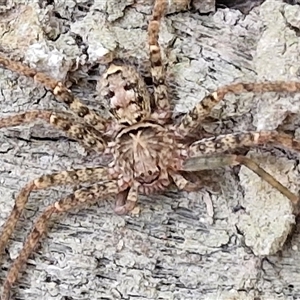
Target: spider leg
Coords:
[(87, 135), (183, 184), (194, 117), (59, 91), (219, 161), (126, 201), (73, 177), (158, 72), (85, 195), (231, 142)]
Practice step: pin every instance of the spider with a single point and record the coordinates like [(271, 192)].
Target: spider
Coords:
[(147, 145)]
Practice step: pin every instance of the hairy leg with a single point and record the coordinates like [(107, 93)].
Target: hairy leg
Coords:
[(126, 201), (183, 184), (85, 195), (162, 108), (194, 117), (219, 161), (235, 141), (59, 91), (73, 177), (86, 134)]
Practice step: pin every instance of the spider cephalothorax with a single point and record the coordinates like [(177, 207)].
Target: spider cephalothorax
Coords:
[(144, 155), (148, 147)]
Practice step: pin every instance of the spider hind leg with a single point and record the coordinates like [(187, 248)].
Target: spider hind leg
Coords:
[(85, 134), (61, 92), (162, 110), (201, 111)]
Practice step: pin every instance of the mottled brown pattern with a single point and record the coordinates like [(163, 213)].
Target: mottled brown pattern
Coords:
[(126, 93), (84, 195), (163, 108), (147, 147), (84, 133), (231, 142), (202, 110)]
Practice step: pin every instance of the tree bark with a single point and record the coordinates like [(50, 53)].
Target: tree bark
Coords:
[(175, 248)]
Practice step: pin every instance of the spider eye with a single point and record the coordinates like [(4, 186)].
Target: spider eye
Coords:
[(110, 94), (128, 86), (150, 172), (113, 111)]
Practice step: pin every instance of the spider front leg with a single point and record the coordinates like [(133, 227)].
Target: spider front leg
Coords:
[(232, 142), (214, 162), (73, 177), (162, 108), (194, 117), (59, 91), (85, 134), (85, 195)]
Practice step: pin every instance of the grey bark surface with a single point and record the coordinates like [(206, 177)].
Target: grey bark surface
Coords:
[(175, 248)]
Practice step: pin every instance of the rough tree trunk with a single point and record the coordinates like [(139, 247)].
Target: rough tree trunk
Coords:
[(175, 249)]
